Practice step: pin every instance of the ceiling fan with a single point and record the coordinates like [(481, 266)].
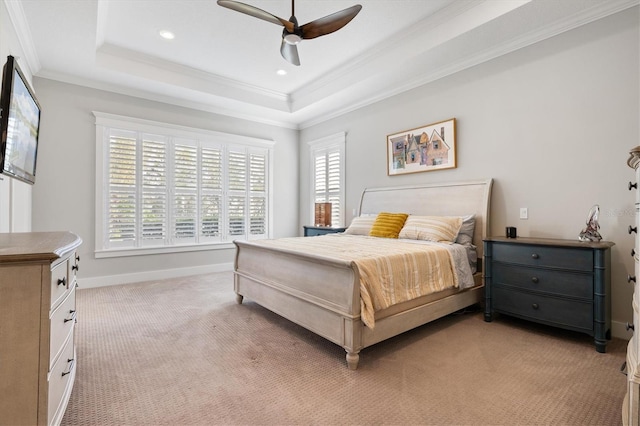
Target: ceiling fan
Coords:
[(292, 34)]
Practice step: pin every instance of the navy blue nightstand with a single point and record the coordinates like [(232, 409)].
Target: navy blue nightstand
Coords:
[(312, 231)]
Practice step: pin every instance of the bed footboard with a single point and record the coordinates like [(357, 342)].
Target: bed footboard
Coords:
[(322, 295)]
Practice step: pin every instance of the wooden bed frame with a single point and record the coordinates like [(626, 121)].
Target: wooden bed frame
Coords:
[(323, 295)]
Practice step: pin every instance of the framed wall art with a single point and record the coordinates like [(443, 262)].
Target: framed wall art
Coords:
[(423, 149)]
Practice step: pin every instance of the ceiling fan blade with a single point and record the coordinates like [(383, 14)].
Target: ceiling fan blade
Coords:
[(329, 23), (256, 13), (290, 53)]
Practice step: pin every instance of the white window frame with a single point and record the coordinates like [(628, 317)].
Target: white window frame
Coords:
[(105, 122), (323, 146)]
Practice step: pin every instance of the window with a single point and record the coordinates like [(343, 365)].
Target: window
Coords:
[(327, 175), (163, 188)]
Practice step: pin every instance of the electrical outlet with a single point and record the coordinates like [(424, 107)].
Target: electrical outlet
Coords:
[(524, 213)]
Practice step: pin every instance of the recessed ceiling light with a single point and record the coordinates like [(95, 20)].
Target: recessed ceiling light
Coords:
[(281, 72), (167, 35)]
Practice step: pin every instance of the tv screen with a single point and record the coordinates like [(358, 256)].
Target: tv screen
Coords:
[(19, 124)]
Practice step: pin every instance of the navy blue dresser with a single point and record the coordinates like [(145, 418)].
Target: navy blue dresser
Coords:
[(562, 283)]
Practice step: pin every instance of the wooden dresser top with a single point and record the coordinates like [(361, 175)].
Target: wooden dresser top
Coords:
[(36, 246)]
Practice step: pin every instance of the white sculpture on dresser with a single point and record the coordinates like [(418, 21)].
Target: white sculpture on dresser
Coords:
[(590, 233)]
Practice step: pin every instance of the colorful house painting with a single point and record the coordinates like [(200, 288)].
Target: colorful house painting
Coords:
[(430, 147)]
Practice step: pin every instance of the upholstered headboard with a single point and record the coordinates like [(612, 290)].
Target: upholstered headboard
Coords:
[(435, 199)]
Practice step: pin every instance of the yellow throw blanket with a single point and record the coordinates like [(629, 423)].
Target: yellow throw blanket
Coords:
[(391, 271)]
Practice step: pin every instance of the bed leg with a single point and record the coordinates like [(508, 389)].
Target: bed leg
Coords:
[(352, 360), (239, 298)]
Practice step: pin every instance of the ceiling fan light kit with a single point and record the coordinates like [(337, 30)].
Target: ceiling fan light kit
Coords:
[(292, 39), (293, 34)]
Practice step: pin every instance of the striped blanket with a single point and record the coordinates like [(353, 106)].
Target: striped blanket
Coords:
[(391, 271)]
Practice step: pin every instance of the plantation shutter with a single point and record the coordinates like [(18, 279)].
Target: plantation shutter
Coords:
[(211, 193), (334, 183), (154, 189), (257, 194), (328, 180), (185, 186), (122, 184), (327, 164), (237, 188), (160, 191)]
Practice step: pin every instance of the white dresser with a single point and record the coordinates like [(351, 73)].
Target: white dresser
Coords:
[(37, 323), (631, 405)]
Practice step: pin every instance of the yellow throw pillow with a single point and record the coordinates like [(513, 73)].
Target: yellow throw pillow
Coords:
[(432, 228), (388, 225)]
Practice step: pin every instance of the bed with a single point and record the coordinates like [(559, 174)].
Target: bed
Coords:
[(323, 293)]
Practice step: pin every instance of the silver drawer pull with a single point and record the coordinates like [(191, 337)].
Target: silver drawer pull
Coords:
[(633, 229), (73, 316), (72, 363), (535, 306), (535, 280), (74, 268), (633, 186), (62, 281), (631, 278), (535, 256)]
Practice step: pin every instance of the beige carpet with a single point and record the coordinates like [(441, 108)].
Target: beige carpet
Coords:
[(182, 352)]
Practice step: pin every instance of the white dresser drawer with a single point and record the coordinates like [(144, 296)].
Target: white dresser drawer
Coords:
[(59, 282), (62, 325), (60, 383), (74, 265)]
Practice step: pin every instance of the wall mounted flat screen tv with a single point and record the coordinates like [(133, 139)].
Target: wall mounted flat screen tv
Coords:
[(19, 124)]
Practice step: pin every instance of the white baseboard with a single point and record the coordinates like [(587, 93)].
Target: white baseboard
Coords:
[(136, 277)]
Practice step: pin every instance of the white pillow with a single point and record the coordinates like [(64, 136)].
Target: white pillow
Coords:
[(361, 225), (431, 228), (465, 235)]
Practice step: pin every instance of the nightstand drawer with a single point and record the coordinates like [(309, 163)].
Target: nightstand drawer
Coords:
[(552, 257), (561, 283), (567, 313)]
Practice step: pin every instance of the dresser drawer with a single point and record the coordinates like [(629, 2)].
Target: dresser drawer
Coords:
[(559, 312), (74, 265), (552, 257), (60, 382), (59, 282), (562, 283), (62, 323)]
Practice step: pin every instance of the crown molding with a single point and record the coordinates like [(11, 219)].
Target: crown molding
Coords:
[(113, 57), (19, 21), (215, 106)]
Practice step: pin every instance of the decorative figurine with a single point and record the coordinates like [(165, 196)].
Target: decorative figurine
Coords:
[(590, 233)]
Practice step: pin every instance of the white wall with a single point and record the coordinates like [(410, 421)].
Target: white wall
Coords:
[(552, 124), (63, 196), (15, 196)]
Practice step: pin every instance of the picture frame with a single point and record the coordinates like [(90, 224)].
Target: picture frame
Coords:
[(422, 149)]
